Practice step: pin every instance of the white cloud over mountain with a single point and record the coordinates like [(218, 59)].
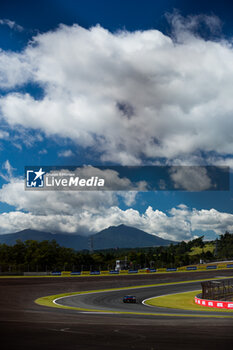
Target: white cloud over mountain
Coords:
[(87, 212), (130, 95)]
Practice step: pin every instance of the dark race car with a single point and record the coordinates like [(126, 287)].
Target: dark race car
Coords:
[(129, 299)]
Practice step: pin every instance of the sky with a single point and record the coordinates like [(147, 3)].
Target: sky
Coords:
[(125, 83)]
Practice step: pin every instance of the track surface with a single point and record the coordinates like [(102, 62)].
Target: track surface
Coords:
[(26, 325), (112, 300)]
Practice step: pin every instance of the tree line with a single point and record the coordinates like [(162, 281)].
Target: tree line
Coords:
[(32, 255)]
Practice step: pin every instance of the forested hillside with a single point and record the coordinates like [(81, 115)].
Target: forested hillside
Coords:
[(50, 256)]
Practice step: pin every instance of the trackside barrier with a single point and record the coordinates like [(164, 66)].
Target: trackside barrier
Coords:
[(211, 267), (36, 273), (66, 273), (161, 270), (200, 267), (124, 272), (191, 268), (132, 271), (221, 266), (214, 303)]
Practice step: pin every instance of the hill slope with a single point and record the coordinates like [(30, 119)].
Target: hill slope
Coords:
[(113, 237), (77, 242), (123, 236)]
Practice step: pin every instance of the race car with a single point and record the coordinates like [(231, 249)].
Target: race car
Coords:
[(129, 299)]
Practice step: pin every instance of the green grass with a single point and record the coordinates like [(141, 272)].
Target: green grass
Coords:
[(184, 301), (209, 247)]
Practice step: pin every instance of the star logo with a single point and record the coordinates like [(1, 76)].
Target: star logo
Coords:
[(39, 174), (35, 179)]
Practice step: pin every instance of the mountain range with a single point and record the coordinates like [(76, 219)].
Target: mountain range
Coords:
[(121, 236)]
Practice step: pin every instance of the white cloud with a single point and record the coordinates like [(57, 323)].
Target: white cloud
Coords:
[(175, 225), (66, 153), (130, 95), (8, 171), (185, 26), (190, 178), (4, 134), (67, 203), (16, 71), (113, 181), (11, 24), (129, 197), (222, 161), (43, 151), (54, 202), (88, 212)]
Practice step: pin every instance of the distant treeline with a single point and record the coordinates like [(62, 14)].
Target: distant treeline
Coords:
[(49, 256)]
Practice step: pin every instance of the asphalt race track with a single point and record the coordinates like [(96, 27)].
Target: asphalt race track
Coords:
[(112, 301), (26, 325)]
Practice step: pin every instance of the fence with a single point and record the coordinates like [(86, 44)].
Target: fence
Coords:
[(217, 290)]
